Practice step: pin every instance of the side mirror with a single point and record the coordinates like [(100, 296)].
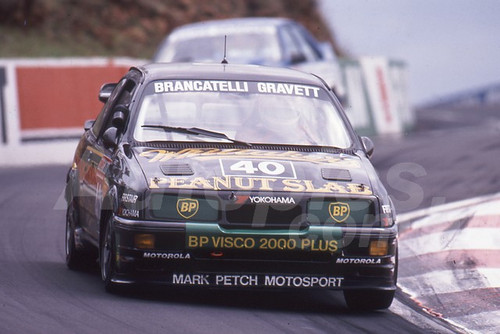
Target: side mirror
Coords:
[(105, 91), (120, 113), (368, 146), (110, 137), (297, 58), (88, 124)]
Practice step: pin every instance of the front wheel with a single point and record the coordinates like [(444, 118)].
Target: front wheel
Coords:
[(75, 258), (368, 299), (107, 256)]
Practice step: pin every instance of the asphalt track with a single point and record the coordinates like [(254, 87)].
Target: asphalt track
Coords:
[(38, 294)]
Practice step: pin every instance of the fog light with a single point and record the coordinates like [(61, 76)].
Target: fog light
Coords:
[(144, 241), (378, 247)]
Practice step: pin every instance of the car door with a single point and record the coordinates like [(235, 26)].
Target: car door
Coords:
[(94, 163)]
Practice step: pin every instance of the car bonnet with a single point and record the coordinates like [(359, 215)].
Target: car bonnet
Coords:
[(253, 170)]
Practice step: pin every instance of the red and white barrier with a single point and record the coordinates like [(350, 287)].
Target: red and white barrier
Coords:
[(449, 261), (44, 98)]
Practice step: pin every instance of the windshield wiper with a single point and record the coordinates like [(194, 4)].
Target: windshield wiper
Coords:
[(196, 131)]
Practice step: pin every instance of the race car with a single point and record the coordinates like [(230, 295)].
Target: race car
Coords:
[(269, 41), (230, 176)]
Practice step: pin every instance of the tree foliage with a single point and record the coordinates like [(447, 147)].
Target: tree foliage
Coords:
[(135, 27)]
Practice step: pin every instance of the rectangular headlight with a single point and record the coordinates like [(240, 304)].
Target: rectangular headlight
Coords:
[(144, 241), (378, 247)]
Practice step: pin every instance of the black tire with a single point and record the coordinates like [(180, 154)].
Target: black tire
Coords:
[(366, 300), (76, 259), (107, 256)]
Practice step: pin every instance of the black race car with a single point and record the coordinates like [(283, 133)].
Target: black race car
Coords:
[(230, 176)]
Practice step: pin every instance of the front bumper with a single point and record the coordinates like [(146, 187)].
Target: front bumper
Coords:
[(176, 260)]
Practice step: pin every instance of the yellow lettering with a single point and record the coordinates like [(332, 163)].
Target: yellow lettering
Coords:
[(239, 183), (228, 242), (310, 186), (332, 246), (192, 241), (292, 185), (153, 184), (159, 154), (175, 182), (200, 182), (265, 183), (184, 207), (187, 153), (225, 182), (203, 240), (330, 187), (359, 189)]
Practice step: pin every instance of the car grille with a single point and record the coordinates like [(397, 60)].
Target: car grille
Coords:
[(265, 216)]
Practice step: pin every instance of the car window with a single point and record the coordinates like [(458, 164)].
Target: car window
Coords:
[(255, 112), (243, 46), (303, 44), (290, 47)]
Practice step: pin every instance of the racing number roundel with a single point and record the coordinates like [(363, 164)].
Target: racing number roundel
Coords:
[(339, 211), (187, 207)]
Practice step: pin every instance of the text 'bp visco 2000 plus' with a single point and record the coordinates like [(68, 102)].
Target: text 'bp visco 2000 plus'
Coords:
[(230, 176)]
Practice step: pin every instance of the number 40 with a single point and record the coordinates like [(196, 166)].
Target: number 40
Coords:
[(266, 167)]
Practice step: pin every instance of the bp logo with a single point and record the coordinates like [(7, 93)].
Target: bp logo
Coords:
[(187, 207), (339, 211)]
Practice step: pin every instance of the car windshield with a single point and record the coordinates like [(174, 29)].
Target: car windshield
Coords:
[(243, 46), (244, 111)]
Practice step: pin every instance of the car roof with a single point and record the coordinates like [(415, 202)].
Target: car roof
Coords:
[(216, 71), (241, 22)]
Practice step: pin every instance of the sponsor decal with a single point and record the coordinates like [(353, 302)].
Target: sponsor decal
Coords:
[(129, 198), (287, 89), (187, 207), (200, 86), (271, 200), (260, 184), (188, 279), (266, 168), (339, 211), (236, 86), (386, 209), (303, 282), (341, 260), (159, 155), (305, 244), (130, 213), (288, 281), (166, 256)]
